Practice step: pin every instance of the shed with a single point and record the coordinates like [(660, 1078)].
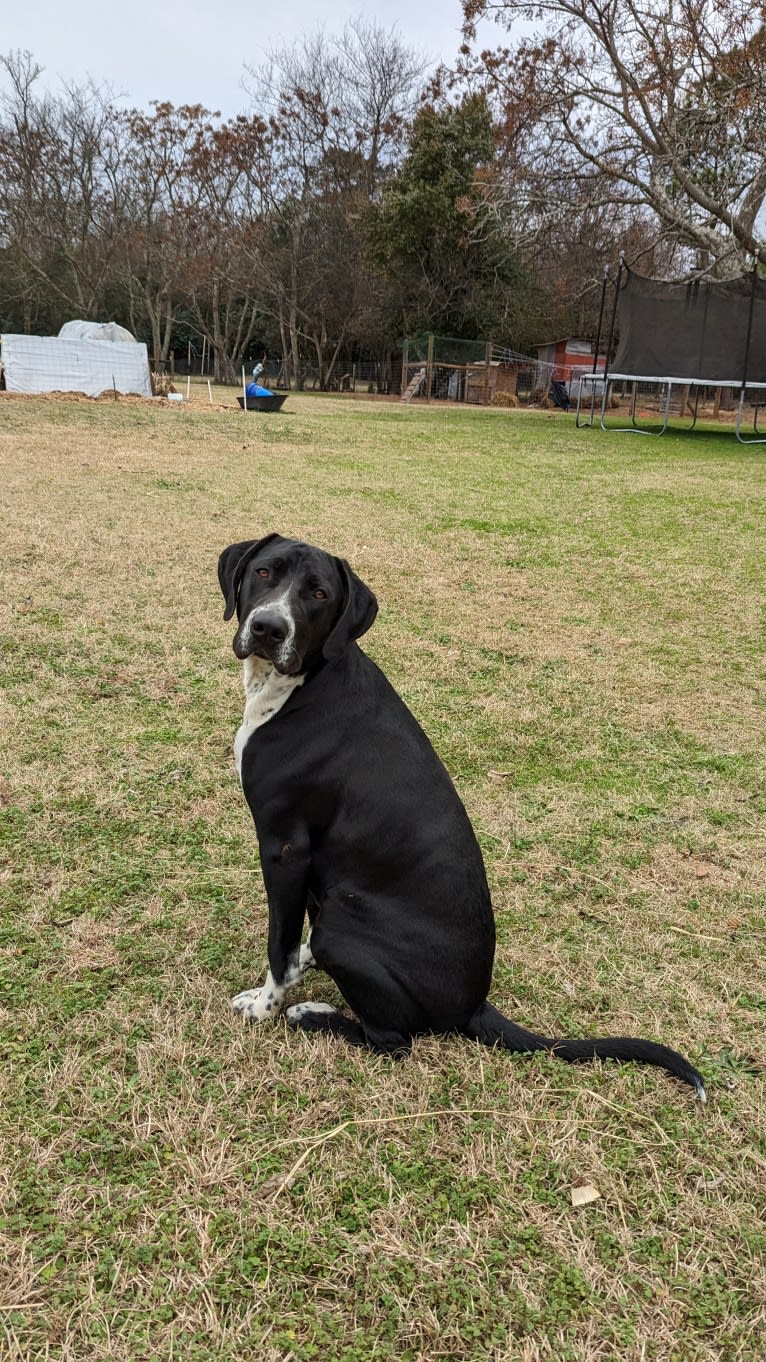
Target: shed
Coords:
[(570, 358)]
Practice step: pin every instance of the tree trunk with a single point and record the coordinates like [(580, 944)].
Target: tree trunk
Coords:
[(219, 349), (154, 321), (295, 352), (169, 318), (285, 376), (293, 312), (334, 358)]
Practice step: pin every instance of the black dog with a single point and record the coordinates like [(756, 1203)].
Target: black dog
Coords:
[(360, 826)]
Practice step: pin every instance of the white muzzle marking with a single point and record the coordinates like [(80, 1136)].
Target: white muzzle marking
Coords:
[(280, 604)]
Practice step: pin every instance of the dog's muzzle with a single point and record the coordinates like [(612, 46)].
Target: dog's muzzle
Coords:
[(270, 635)]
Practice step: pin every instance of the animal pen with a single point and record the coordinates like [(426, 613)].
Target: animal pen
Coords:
[(445, 368), (686, 344)]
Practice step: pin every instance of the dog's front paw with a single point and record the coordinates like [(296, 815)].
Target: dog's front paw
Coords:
[(308, 1014), (258, 1004)]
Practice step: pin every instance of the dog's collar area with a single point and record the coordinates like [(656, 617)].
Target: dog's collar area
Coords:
[(266, 691)]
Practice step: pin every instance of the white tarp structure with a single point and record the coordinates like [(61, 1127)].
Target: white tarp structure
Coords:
[(46, 364), (98, 331)]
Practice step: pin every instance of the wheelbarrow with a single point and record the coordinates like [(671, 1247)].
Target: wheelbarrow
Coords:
[(272, 403)]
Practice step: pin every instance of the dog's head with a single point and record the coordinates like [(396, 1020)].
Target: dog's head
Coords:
[(294, 602)]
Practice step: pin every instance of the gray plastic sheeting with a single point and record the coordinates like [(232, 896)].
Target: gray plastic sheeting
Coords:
[(97, 331), (44, 364)]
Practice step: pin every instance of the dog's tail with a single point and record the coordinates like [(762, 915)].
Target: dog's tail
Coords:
[(490, 1027)]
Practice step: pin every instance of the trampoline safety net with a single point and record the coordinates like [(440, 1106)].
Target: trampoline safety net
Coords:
[(696, 330)]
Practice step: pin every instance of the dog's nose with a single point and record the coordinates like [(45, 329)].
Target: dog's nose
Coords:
[(269, 628)]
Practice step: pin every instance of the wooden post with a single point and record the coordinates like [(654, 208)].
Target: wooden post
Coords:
[(487, 371), (430, 366), (405, 367)]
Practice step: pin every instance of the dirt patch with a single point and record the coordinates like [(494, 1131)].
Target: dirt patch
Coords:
[(129, 399)]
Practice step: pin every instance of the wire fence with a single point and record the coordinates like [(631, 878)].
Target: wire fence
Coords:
[(447, 368), (429, 366)]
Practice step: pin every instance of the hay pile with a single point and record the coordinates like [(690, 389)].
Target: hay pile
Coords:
[(162, 384)]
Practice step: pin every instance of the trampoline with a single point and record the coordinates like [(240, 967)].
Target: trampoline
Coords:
[(694, 336)]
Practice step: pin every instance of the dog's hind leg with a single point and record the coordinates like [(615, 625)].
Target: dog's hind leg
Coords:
[(322, 1017)]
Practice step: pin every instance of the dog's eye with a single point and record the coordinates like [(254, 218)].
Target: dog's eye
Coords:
[(320, 595), (263, 572)]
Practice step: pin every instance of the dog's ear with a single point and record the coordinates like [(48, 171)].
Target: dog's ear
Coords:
[(231, 567), (357, 612)]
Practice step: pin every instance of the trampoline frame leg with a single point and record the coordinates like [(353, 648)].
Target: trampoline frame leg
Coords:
[(585, 425), (635, 429), (757, 438)]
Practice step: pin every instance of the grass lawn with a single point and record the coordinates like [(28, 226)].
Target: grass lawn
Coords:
[(578, 622)]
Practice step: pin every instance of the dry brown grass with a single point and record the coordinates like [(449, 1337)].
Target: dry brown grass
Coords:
[(578, 624)]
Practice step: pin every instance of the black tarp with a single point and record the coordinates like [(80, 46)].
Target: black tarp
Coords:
[(558, 394), (696, 330)]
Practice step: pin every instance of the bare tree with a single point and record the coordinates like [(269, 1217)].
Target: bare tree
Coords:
[(159, 192), (60, 186), (218, 231), (663, 100), (337, 111), (22, 142)]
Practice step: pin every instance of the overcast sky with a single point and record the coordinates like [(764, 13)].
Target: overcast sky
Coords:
[(194, 52)]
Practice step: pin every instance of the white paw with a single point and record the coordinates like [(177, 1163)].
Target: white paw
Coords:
[(258, 1004), (299, 1010)]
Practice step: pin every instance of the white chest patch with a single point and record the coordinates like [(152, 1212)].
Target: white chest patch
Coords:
[(265, 693)]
